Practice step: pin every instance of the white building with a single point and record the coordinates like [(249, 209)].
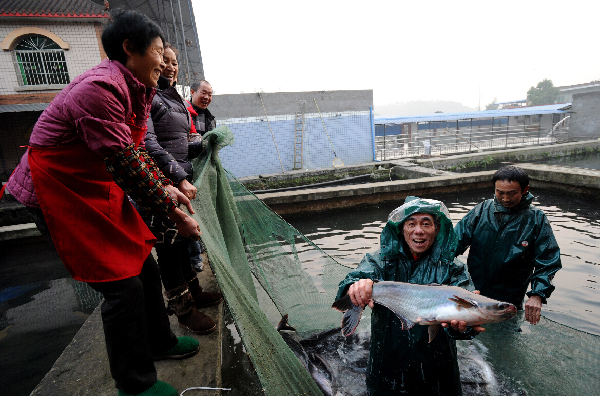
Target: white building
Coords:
[(45, 44)]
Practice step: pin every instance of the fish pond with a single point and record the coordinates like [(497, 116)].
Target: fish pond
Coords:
[(556, 354)]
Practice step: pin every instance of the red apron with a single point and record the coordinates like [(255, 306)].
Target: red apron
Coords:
[(98, 234)]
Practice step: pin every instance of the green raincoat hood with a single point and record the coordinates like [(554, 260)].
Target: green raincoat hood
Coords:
[(392, 238)]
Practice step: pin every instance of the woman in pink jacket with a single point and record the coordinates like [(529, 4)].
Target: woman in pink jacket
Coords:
[(84, 158)]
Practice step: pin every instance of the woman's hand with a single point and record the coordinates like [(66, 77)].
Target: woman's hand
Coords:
[(186, 226), (187, 188), (179, 198)]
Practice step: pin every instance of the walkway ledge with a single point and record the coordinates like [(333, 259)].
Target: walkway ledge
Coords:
[(558, 178)]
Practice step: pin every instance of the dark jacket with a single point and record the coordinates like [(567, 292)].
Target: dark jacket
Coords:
[(167, 138), (202, 120), (510, 247), (403, 361)]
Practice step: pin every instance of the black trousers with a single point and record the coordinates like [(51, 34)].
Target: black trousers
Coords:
[(174, 263), (135, 321), (136, 326)]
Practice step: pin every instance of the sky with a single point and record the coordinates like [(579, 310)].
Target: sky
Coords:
[(465, 51)]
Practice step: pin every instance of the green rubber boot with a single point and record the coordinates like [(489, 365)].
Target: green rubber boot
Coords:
[(158, 389), (185, 347)]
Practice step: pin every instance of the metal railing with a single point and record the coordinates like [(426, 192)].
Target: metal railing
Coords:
[(465, 140), (41, 67)]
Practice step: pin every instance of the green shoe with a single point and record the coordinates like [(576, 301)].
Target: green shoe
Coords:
[(185, 347), (158, 389)]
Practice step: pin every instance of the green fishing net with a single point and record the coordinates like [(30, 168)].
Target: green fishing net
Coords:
[(246, 241)]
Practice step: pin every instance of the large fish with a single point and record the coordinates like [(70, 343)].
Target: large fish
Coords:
[(427, 305)]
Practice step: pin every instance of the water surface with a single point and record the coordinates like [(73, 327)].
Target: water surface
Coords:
[(348, 235)]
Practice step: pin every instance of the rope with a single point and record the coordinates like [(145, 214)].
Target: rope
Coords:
[(325, 127), (203, 388), (269, 124)]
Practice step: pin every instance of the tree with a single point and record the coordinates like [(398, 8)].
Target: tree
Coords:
[(544, 93), (493, 105)]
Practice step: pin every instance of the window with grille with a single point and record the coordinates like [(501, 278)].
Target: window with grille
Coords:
[(39, 60)]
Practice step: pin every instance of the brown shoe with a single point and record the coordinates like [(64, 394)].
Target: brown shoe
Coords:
[(181, 303), (201, 298)]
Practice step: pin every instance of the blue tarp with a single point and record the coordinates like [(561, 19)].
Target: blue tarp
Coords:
[(443, 117)]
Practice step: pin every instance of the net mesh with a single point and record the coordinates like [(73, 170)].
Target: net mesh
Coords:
[(250, 246), (246, 241)]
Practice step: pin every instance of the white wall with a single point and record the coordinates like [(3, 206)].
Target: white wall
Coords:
[(83, 54)]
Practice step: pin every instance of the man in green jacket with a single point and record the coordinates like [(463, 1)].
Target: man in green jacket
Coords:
[(417, 246), (512, 245)]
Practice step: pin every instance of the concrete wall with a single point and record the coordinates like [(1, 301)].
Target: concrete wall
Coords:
[(585, 119), (280, 103), (258, 151)]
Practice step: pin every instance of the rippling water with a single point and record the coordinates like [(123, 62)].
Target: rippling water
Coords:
[(348, 235)]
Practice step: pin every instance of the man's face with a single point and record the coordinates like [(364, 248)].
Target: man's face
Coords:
[(509, 193), (202, 96), (419, 233)]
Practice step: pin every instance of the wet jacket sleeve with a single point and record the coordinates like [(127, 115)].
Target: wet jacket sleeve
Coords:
[(369, 268), (547, 261), (466, 227), (164, 160)]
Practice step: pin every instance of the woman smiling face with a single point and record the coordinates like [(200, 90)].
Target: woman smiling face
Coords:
[(172, 68), (146, 67)]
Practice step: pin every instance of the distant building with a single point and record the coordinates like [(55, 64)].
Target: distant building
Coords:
[(511, 104), (45, 44), (567, 92)]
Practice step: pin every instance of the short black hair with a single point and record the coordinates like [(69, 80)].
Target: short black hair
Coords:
[(195, 85), (512, 174), (132, 25)]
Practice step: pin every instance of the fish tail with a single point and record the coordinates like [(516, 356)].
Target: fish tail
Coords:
[(350, 320), (343, 304), (352, 314)]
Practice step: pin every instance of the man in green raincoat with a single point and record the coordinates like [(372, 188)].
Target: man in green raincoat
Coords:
[(512, 245), (417, 245)]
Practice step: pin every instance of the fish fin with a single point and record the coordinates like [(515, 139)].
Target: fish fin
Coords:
[(351, 319), (283, 324), (433, 330), (343, 304), (406, 323), (464, 302)]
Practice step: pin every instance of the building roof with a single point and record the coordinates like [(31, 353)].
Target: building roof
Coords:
[(579, 86), (439, 117), (52, 8), (512, 101), (17, 108)]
